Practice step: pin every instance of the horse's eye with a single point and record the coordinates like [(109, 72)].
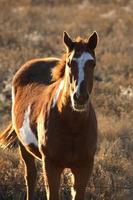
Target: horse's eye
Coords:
[(78, 53), (91, 63)]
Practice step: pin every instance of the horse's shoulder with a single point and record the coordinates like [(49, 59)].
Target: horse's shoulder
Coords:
[(36, 71)]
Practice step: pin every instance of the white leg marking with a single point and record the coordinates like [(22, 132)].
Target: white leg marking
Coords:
[(41, 130), (73, 192), (47, 192), (26, 134), (57, 93)]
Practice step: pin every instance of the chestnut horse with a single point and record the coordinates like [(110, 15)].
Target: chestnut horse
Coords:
[(53, 117)]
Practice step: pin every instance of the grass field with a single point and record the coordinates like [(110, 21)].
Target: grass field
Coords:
[(32, 29)]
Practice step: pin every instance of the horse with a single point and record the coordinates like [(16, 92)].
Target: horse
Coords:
[(53, 117)]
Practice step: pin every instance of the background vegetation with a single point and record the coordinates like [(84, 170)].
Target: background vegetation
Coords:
[(33, 28)]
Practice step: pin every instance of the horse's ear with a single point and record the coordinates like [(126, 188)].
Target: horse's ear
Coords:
[(93, 39), (68, 41)]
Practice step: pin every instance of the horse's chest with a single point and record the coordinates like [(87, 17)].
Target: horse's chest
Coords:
[(67, 147)]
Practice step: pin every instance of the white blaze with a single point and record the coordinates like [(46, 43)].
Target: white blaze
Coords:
[(26, 134), (81, 62)]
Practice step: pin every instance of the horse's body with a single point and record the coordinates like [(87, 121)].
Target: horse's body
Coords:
[(49, 128)]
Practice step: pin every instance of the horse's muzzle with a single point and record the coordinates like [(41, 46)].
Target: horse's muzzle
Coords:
[(81, 99)]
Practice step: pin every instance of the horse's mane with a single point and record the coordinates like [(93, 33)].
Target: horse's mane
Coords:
[(59, 70)]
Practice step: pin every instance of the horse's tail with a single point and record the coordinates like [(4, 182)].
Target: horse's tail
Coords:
[(8, 137)]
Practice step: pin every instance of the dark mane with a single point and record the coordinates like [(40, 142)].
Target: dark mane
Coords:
[(59, 70)]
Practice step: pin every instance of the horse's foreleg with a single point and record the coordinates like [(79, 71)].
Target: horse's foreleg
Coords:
[(30, 172), (82, 175), (53, 176)]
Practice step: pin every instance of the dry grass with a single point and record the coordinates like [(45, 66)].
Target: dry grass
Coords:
[(33, 28)]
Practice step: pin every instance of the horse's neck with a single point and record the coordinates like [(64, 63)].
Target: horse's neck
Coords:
[(61, 102), (74, 120), (69, 115)]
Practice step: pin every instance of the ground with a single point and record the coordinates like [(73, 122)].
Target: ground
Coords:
[(32, 29)]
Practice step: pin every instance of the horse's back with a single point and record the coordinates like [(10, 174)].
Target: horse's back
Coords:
[(37, 71), (30, 89)]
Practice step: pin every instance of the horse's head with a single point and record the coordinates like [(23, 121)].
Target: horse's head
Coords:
[(80, 63)]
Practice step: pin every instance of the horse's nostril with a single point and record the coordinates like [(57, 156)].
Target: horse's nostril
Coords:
[(81, 99)]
